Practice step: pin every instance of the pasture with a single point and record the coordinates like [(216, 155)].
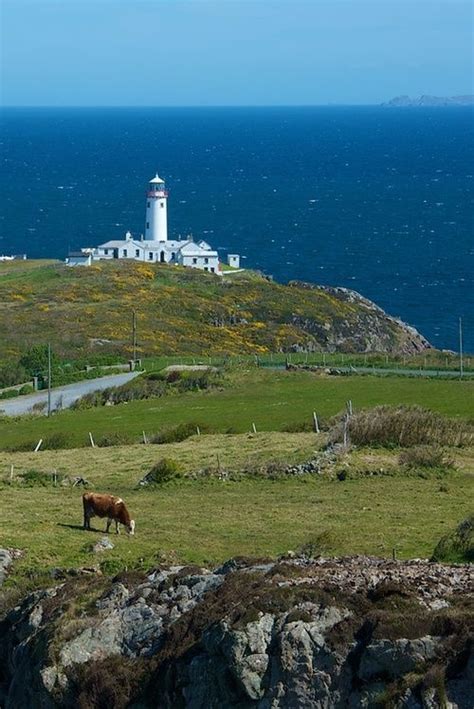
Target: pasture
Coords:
[(206, 520), (274, 400)]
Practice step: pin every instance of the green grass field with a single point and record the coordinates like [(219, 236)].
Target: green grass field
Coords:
[(270, 399), (208, 520)]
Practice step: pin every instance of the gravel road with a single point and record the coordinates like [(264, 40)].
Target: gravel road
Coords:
[(69, 394)]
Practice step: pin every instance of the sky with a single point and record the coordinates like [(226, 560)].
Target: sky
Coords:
[(232, 52)]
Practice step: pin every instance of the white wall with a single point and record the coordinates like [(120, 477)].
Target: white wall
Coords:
[(156, 227)]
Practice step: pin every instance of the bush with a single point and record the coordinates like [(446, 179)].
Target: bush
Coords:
[(26, 389), (317, 545), (176, 434), (10, 394), (162, 472), (112, 682), (56, 441), (402, 426), (12, 374), (458, 545), (115, 438), (425, 457), (21, 446), (34, 478)]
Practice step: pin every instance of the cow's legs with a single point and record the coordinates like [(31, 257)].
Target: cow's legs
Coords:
[(117, 530), (87, 520), (109, 522)]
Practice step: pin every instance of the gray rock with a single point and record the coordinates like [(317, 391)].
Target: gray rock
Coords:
[(394, 658), (102, 545), (5, 561), (95, 643)]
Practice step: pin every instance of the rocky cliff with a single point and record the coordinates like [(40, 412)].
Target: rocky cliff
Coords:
[(297, 632)]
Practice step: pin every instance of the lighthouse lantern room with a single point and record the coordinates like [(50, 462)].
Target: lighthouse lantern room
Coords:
[(156, 228)]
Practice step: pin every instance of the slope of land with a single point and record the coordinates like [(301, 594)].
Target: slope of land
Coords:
[(89, 310)]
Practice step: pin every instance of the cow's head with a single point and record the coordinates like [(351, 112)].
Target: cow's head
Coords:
[(131, 527)]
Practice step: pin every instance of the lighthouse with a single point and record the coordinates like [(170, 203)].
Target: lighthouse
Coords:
[(156, 227)]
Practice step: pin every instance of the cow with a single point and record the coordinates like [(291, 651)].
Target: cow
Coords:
[(101, 505)]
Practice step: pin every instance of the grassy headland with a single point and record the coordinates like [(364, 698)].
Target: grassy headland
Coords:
[(182, 311)]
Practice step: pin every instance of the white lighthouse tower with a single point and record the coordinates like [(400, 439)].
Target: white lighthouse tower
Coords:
[(156, 228)]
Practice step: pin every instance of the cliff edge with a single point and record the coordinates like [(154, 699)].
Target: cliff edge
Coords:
[(297, 632)]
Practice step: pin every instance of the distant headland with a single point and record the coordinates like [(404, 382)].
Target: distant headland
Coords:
[(467, 100)]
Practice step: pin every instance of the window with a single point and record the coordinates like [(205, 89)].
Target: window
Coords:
[(206, 260), (195, 260), (162, 256), (206, 268), (148, 205), (150, 256), (125, 252), (162, 204), (213, 270), (148, 225), (106, 251), (137, 252), (173, 255)]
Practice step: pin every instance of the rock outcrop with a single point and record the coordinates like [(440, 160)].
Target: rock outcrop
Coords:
[(297, 632), (369, 328), (7, 557)]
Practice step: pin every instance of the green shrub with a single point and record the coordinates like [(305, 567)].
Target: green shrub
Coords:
[(162, 472), (156, 376), (26, 389), (458, 545), (115, 438), (10, 394), (425, 457), (56, 441), (34, 478), (176, 434), (319, 544), (21, 446), (12, 374)]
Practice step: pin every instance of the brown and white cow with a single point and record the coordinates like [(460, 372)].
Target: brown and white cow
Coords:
[(102, 505)]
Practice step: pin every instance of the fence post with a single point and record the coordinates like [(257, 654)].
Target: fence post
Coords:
[(145, 440), (346, 432), (198, 430), (38, 445), (11, 472), (254, 428), (91, 440), (315, 422)]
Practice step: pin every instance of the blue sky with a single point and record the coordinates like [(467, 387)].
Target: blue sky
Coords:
[(232, 52)]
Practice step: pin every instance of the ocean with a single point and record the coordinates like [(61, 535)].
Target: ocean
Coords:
[(375, 199)]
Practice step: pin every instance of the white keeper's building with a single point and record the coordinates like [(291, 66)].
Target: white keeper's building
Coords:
[(155, 246)]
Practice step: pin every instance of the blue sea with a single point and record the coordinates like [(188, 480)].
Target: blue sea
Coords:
[(375, 199)]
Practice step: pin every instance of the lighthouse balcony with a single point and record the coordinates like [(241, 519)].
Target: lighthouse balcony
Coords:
[(157, 193)]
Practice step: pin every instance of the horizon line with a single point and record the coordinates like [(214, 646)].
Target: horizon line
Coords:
[(233, 105)]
